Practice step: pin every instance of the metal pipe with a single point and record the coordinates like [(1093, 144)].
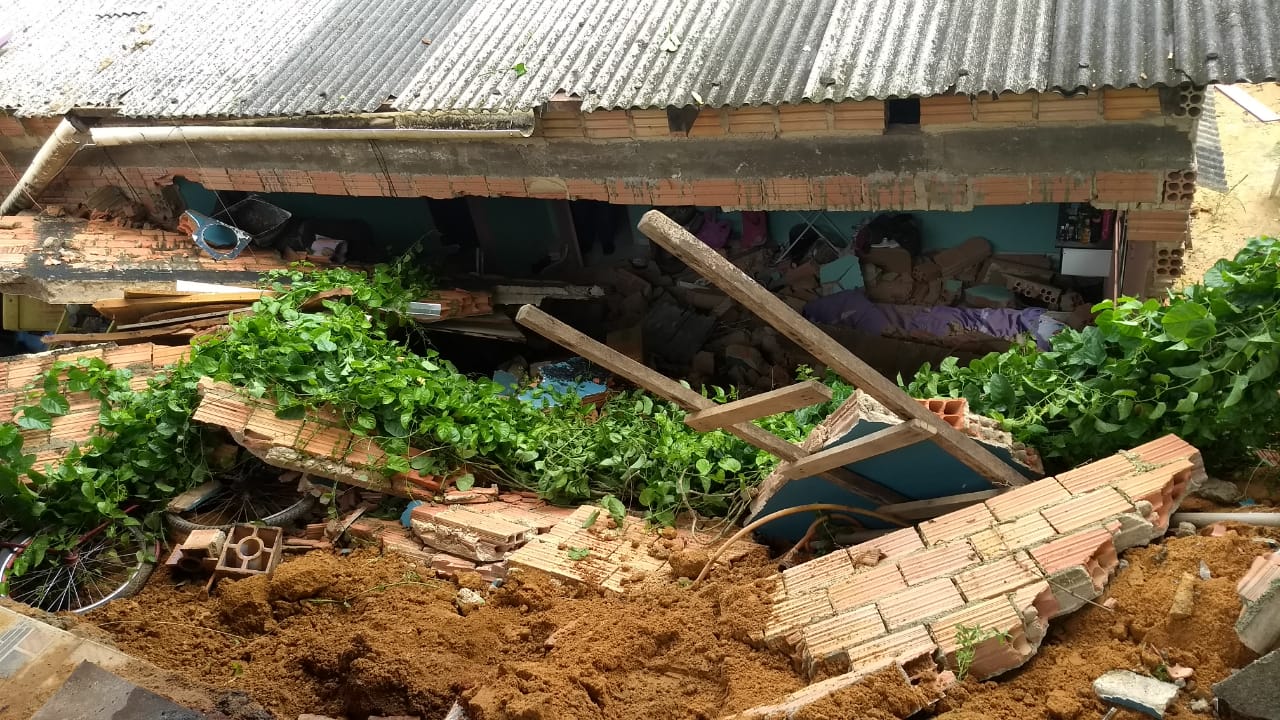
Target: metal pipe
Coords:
[(52, 157), (1200, 519), (116, 136)]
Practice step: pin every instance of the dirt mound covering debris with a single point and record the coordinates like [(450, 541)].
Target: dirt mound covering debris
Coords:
[(1136, 634), (370, 635)]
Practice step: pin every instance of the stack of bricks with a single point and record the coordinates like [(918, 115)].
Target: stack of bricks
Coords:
[(1259, 590), (38, 248), (1008, 566), (19, 375), (584, 548), (318, 444)]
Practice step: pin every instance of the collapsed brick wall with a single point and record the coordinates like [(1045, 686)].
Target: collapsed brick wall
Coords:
[(1007, 566)]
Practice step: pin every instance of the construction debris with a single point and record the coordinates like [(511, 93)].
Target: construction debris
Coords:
[(1008, 566), (199, 552), (1253, 692), (1127, 689), (1259, 590)]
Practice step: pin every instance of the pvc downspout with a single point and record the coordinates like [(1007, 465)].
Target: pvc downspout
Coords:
[(52, 157), (62, 145), (1200, 519), (116, 136)]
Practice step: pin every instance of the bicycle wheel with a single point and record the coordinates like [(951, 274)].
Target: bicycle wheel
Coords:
[(103, 566), (251, 493)]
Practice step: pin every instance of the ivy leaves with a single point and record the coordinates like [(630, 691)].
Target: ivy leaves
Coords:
[(1202, 366)]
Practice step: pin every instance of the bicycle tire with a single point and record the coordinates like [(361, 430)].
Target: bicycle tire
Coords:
[(294, 512), (131, 586)]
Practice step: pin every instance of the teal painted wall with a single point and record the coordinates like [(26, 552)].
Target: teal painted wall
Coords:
[(523, 233), (396, 222), (1011, 229)]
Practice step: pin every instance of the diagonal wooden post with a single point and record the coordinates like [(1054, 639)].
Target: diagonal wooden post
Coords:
[(668, 389), (743, 288)]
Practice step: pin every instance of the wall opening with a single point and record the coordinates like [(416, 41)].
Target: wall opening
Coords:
[(902, 111)]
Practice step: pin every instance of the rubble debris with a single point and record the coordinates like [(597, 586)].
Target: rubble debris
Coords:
[(1218, 491), (481, 537), (1009, 565), (1184, 598), (199, 552), (1253, 692), (467, 601), (1259, 591), (1127, 689), (249, 550)]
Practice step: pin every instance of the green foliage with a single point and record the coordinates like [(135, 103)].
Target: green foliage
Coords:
[(967, 641), (349, 357), (577, 554), (1201, 365)]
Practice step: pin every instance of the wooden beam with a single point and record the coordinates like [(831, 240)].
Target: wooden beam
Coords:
[(649, 379), (1255, 107), (868, 446), (743, 288), (929, 509), (792, 397)]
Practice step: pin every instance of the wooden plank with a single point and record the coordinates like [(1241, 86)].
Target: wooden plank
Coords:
[(668, 389), (647, 378), (136, 294), (182, 330), (929, 509), (877, 443), (792, 397), (183, 321), (180, 313), (1249, 102), (743, 288), (130, 310)]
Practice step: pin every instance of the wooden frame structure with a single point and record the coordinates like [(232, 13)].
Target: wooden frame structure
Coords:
[(798, 461)]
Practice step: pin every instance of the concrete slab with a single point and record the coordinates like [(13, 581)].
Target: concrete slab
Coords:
[(36, 658), (1252, 692), (92, 693)]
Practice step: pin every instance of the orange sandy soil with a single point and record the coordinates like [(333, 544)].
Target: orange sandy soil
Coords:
[(365, 635)]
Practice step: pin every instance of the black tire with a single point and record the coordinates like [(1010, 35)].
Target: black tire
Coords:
[(291, 514)]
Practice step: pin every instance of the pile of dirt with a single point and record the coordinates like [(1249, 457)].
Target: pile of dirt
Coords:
[(368, 635), (1136, 634)]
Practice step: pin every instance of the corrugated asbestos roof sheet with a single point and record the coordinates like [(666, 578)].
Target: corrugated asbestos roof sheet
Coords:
[(180, 58), (189, 58)]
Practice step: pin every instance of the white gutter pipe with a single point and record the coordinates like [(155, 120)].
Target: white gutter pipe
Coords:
[(52, 157), (1200, 519), (62, 145), (116, 136)]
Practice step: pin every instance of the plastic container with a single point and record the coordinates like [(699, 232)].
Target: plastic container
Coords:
[(263, 221)]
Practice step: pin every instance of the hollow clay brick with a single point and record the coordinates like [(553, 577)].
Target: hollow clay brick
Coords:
[(941, 561), (992, 655), (1163, 487), (1026, 531), (866, 586), (895, 544), (791, 614), (998, 577), (1091, 507), (824, 643), (1028, 498), (917, 603), (817, 573), (956, 524), (1078, 566)]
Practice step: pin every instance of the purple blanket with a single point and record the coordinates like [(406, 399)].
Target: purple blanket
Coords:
[(853, 309)]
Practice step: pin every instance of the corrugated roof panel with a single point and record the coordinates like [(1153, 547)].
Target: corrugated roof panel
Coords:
[(1226, 40), (177, 58)]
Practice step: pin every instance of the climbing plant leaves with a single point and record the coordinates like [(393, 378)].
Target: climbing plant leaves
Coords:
[(1203, 363)]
